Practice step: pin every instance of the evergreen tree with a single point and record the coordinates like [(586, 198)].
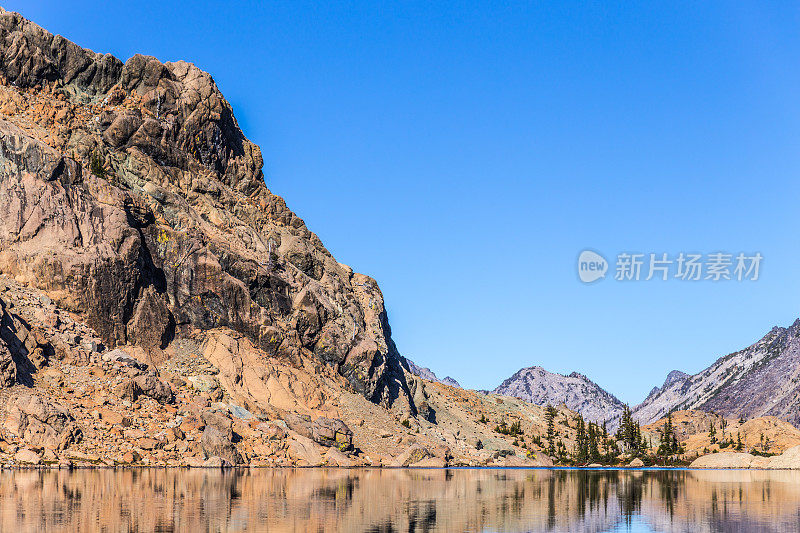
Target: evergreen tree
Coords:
[(581, 441), (629, 432), (550, 413), (593, 436), (669, 442)]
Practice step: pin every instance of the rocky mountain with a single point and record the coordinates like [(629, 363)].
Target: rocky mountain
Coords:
[(761, 380), (134, 199), (159, 305), (576, 391), (428, 374)]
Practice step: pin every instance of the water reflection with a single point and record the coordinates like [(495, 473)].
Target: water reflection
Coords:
[(399, 500)]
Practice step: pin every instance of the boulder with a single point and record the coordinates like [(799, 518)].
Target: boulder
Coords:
[(723, 460), (240, 412), (174, 434), (215, 443), (539, 459), (75, 455), (334, 457), (760, 462), (514, 461), (122, 357), (26, 456), (153, 387), (636, 463), (148, 443), (203, 382), (40, 423), (303, 451), (148, 385), (790, 459), (114, 418), (413, 454), (49, 455), (299, 423), (190, 423), (332, 432), (130, 457), (217, 438), (272, 432)]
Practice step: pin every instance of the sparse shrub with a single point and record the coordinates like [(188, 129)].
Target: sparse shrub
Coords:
[(96, 165)]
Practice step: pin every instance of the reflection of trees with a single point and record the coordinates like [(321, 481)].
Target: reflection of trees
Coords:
[(669, 486), (397, 500)]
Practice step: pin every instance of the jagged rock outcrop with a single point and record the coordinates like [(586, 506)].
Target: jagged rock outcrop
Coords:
[(761, 380), (576, 391), (133, 198)]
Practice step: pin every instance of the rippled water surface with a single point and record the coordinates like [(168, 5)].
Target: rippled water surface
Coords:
[(399, 500)]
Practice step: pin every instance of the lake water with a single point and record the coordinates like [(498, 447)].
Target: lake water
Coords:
[(373, 500)]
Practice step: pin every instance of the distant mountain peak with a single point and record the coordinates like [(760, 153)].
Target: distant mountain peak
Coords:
[(430, 375), (575, 391), (673, 377), (756, 381)]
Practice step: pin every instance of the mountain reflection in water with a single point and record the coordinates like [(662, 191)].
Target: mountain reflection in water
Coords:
[(373, 500)]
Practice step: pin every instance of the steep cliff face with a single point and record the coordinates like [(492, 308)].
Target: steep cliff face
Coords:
[(131, 196), (576, 391), (761, 380)]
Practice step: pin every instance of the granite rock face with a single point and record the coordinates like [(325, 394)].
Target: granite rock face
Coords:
[(132, 197)]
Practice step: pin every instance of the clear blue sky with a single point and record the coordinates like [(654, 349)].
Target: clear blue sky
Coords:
[(463, 155)]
